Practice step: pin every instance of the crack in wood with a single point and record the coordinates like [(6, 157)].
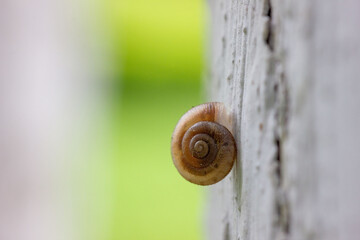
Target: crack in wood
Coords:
[(269, 36), (282, 207)]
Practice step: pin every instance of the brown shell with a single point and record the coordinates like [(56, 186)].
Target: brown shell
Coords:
[(202, 147)]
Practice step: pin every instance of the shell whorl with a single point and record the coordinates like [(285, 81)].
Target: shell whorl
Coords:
[(203, 148)]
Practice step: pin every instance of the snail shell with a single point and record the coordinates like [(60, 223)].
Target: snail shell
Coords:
[(202, 147)]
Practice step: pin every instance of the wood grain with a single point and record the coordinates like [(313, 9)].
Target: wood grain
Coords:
[(289, 70)]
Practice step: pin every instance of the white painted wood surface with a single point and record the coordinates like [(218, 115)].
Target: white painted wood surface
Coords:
[(290, 71)]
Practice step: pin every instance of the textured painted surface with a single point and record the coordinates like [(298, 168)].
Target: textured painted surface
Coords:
[(289, 70)]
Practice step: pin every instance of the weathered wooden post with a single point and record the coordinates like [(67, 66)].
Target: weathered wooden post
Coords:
[(290, 71)]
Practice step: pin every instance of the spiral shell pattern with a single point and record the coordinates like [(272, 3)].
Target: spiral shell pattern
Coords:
[(202, 147)]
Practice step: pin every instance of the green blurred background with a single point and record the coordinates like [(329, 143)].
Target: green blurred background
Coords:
[(158, 56)]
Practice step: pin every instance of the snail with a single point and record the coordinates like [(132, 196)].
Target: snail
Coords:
[(202, 147)]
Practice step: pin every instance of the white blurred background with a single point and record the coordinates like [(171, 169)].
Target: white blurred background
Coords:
[(51, 106)]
